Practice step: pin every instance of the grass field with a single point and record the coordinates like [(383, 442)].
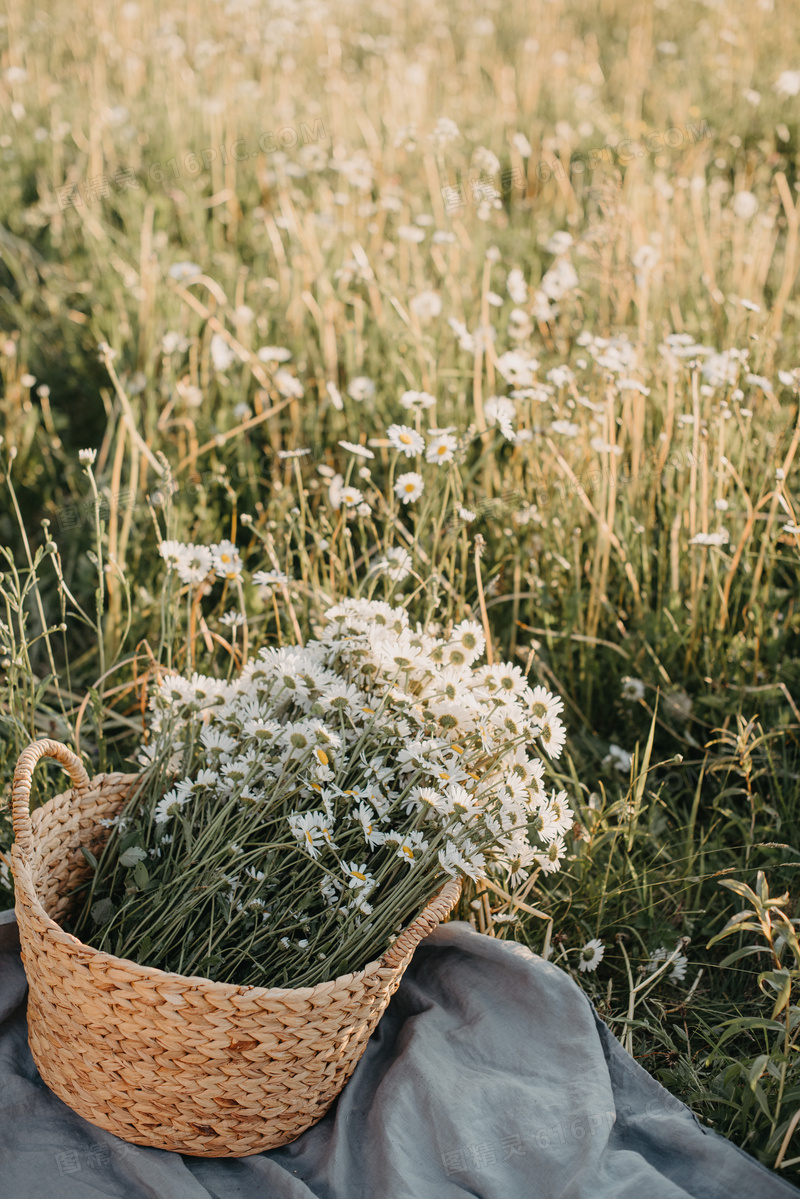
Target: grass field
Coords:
[(575, 228)]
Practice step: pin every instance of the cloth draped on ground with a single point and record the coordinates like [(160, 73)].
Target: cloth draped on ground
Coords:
[(489, 1075)]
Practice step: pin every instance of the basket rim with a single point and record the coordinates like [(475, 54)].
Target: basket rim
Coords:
[(23, 881)]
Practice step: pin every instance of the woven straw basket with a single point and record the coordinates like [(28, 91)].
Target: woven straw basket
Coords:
[(199, 1067)]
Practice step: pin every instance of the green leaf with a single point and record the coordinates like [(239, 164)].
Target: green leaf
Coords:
[(741, 889), (40, 690), (757, 1069), (739, 917), (140, 874), (761, 1099), (132, 856), (727, 932), (748, 1024), (780, 981), (102, 911), (641, 779), (209, 967), (744, 952), (90, 858)]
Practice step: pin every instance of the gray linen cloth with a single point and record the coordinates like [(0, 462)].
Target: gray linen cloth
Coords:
[(489, 1075)]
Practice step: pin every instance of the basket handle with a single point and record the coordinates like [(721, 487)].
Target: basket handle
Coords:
[(21, 787), (425, 923)]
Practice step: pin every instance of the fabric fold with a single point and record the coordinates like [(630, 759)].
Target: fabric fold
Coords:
[(489, 1075)]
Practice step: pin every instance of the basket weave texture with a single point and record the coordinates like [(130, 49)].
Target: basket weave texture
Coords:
[(181, 1063)]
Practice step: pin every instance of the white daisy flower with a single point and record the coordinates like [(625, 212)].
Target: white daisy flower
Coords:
[(406, 440), (417, 400), (472, 862), (360, 451), (361, 388), (543, 704), (444, 131), (410, 847), (520, 858), (307, 827), (409, 487), (358, 877), (227, 562), (288, 385), (184, 270), (335, 396), (718, 539), (351, 496), (167, 806), (270, 578), (619, 758), (396, 565), (591, 956), (466, 643), (233, 619), (441, 448), (659, 956), (553, 736), (194, 563), (426, 305), (506, 680), (632, 689), (550, 860), (369, 826), (221, 353), (335, 489), (788, 83), (500, 411), (171, 552), (558, 813), (411, 233)]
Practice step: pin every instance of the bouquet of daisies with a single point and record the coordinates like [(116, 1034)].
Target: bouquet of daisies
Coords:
[(288, 824)]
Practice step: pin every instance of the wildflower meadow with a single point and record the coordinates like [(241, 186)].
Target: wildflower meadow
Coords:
[(400, 412)]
